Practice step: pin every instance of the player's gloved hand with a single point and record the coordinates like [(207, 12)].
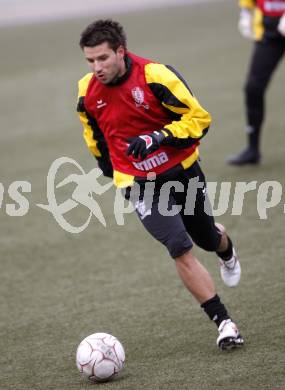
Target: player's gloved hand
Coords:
[(245, 23), (145, 144), (281, 25)]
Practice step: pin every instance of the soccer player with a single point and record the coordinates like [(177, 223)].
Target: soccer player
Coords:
[(263, 21), (142, 121)]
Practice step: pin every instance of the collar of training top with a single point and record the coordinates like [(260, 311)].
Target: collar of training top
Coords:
[(119, 80)]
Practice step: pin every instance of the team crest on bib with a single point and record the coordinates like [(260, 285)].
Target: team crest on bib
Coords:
[(138, 95)]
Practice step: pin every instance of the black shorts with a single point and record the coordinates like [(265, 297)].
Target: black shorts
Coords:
[(175, 215)]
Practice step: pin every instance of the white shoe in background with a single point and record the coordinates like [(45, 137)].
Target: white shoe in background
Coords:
[(230, 270)]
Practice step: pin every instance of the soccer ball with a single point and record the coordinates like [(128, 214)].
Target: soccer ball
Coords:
[(100, 357)]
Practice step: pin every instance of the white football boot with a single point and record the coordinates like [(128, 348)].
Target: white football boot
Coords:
[(230, 270), (229, 336)]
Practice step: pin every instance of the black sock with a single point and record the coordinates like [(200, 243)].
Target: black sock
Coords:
[(253, 139), (228, 253), (215, 310)]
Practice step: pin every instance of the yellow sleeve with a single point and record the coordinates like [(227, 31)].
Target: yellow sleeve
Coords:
[(88, 132), (258, 18), (92, 134), (191, 120), (247, 4)]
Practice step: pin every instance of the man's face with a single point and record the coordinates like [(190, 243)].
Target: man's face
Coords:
[(105, 63)]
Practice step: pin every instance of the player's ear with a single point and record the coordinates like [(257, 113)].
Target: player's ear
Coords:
[(121, 51)]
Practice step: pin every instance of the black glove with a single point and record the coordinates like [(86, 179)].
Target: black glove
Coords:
[(145, 144)]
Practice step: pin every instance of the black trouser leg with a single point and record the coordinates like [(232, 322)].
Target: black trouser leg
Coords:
[(264, 60)]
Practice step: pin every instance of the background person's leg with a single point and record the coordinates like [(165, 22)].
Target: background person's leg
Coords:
[(264, 60)]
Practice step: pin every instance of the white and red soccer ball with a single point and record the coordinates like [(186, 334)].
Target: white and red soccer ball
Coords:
[(100, 357)]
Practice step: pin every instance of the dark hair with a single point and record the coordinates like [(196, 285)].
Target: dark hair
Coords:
[(102, 31)]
